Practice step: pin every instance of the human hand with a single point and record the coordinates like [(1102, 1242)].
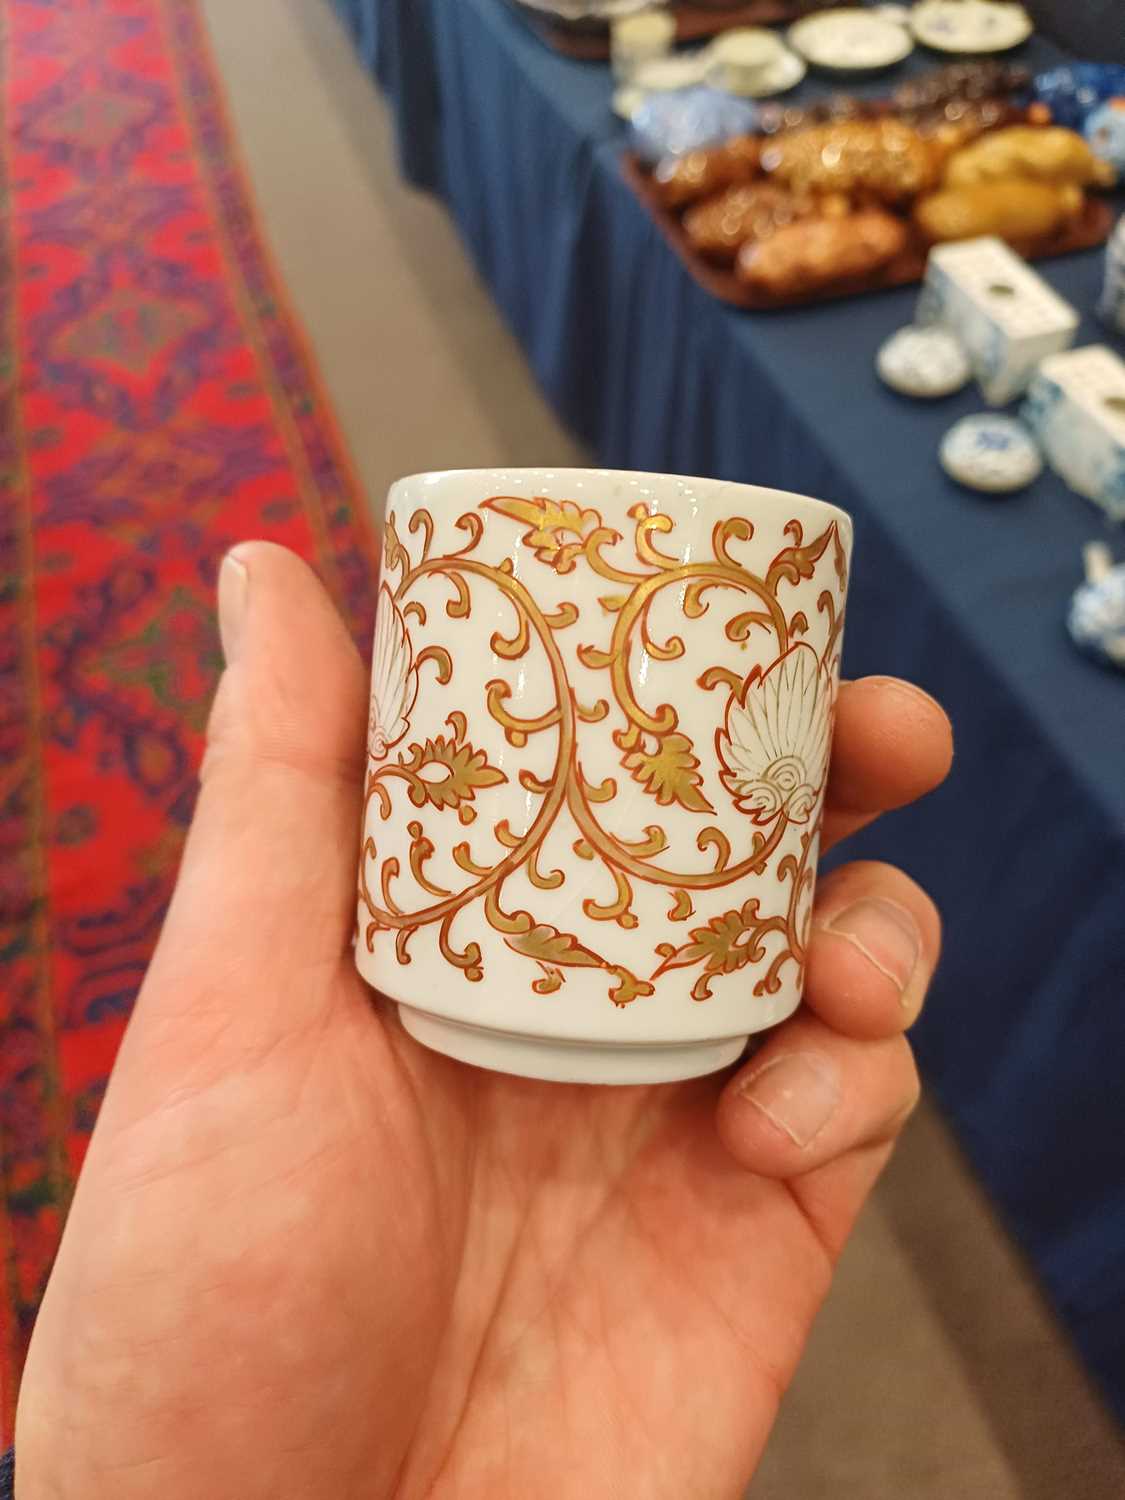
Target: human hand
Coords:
[(308, 1258)]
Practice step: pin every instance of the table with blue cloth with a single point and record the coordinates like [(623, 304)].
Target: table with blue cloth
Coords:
[(1024, 848)]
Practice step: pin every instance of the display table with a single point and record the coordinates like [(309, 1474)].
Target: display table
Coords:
[(1025, 847)]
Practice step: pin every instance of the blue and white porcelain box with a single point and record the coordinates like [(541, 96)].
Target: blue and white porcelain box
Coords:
[(1006, 315), (1076, 408)]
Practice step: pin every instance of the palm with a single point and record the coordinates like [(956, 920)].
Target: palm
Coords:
[(622, 1289), (532, 1276)]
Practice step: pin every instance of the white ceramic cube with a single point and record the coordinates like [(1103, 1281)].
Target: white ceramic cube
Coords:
[(1076, 408), (1005, 314)]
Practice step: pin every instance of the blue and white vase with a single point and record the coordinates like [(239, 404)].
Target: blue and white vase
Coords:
[(1111, 308), (1096, 620)]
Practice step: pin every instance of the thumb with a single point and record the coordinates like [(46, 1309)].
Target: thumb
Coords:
[(266, 892)]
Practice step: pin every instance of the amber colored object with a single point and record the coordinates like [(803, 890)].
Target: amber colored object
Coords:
[(1042, 153), (882, 158), (755, 210), (968, 81), (805, 257), (960, 123), (1014, 210), (775, 117), (685, 179)]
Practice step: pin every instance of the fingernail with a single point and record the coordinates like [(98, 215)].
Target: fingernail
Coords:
[(799, 1092), (233, 583), (909, 690), (885, 933)]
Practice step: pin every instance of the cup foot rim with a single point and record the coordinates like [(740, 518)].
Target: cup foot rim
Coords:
[(559, 1061)]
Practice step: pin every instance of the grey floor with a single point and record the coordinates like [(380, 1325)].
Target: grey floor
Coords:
[(935, 1372)]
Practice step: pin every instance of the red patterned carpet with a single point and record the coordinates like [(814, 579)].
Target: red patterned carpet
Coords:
[(157, 404)]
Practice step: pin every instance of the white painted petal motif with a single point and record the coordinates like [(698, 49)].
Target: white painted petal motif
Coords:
[(774, 748), (394, 681)]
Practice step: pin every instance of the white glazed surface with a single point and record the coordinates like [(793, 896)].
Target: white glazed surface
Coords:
[(851, 40), (1006, 333), (663, 75), (569, 879), (1074, 409), (970, 26), (778, 78)]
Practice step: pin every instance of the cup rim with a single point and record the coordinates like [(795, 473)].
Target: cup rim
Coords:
[(727, 46), (564, 471)]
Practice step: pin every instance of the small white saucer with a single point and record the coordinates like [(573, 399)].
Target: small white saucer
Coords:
[(785, 74), (970, 26), (663, 75), (926, 363), (990, 453), (851, 40)]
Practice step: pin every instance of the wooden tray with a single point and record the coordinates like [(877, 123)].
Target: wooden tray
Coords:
[(694, 23), (1092, 229)]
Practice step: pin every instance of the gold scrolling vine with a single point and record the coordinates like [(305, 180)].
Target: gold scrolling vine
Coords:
[(773, 746)]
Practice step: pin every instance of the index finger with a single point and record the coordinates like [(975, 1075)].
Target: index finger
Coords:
[(893, 744)]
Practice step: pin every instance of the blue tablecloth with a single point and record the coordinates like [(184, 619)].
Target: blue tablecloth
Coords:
[(1025, 847)]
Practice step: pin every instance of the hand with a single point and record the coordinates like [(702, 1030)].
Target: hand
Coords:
[(307, 1258)]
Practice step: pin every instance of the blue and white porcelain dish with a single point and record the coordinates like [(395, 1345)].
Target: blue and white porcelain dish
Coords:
[(993, 454), (971, 26), (853, 39), (924, 362)]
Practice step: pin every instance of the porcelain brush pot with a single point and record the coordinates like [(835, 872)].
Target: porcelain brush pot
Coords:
[(601, 717)]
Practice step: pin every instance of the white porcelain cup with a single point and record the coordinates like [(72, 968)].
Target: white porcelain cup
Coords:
[(601, 715), (638, 39), (739, 60)]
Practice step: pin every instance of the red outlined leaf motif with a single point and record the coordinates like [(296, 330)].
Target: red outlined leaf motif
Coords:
[(547, 945), (726, 944), (670, 773), (461, 769)]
